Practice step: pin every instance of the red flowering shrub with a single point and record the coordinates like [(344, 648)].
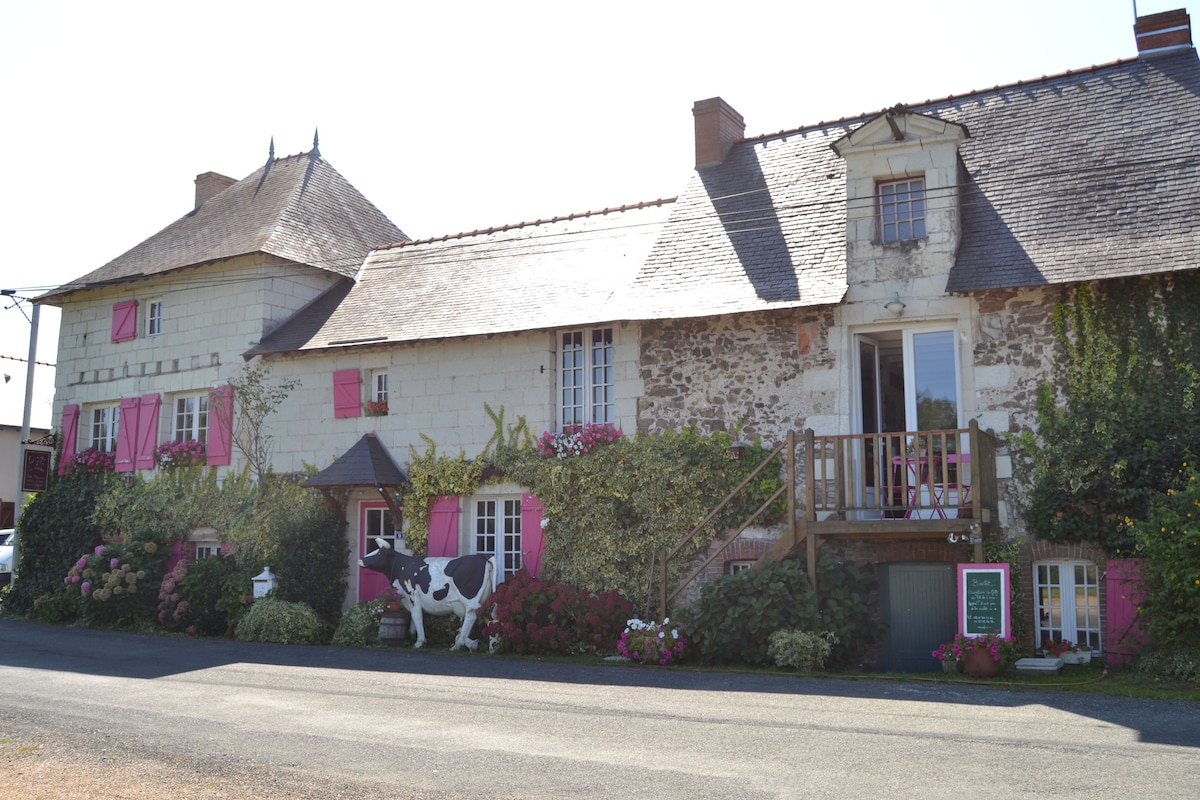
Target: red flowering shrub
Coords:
[(532, 616)]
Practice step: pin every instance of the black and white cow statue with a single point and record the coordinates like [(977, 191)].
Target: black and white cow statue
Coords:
[(436, 586)]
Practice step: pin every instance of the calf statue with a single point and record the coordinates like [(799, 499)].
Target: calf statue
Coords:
[(438, 586)]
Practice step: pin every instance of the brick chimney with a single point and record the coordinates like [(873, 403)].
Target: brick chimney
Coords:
[(718, 127), (211, 184), (1161, 33)]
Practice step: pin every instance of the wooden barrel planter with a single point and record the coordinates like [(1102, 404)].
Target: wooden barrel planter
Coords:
[(393, 628)]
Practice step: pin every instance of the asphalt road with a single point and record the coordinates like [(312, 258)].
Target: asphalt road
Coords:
[(248, 720)]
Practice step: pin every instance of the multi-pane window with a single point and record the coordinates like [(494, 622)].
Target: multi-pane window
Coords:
[(191, 418), (586, 377), (902, 210), (105, 422), (206, 550), (378, 524), (498, 531), (1067, 599), (379, 386), (154, 317)]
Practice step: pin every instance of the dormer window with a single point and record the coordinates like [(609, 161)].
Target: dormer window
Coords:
[(902, 210)]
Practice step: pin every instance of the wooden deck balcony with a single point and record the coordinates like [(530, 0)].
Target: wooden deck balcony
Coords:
[(938, 484), (910, 482)]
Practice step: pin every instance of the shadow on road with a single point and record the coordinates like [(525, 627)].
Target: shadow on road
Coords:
[(28, 645)]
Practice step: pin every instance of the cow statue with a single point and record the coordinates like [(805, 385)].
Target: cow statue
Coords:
[(436, 586)]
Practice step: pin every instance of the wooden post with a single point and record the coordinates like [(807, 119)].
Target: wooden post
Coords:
[(810, 541)]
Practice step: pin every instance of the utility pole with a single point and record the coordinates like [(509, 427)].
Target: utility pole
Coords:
[(29, 368)]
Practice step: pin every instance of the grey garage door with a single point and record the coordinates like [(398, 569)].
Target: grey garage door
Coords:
[(917, 601)]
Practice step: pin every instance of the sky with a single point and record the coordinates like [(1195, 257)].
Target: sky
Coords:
[(449, 117)]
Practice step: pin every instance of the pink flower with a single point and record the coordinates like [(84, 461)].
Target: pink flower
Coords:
[(86, 588), (112, 563)]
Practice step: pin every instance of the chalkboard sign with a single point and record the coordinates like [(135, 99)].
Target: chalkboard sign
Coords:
[(983, 599), (36, 476)]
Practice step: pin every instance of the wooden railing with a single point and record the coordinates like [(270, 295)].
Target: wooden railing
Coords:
[(912, 475), (788, 451), (935, 483)]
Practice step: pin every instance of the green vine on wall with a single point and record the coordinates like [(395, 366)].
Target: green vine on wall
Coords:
[(1119, 413), (609, 512)]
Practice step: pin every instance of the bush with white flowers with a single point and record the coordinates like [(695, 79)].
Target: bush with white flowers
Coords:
[(651, 642)]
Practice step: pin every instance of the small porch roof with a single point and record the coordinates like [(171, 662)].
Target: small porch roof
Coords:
[(367, 463)]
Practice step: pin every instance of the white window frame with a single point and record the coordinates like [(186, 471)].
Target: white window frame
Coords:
[(189, 417), (587, 377), (106, 423), (901, 209), (908, 344), (496, 530), (740, 565), (378, 522), (379, 385), (154, 317), (1066, 609)]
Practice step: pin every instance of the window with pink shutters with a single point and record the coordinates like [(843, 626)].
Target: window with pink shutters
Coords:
[(443, 527), (70, 432), (347, 394), (219, 446), (124, 321), (533, 538), (127, 435), (147, 430)]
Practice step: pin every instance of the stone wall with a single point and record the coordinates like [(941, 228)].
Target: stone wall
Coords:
[(753, 370), (771, 372)]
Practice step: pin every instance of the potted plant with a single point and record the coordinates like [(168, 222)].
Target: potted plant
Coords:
[(377, 408), (1063, 648), (945, 654), (1085, 653), (387, 602), (981, 656)]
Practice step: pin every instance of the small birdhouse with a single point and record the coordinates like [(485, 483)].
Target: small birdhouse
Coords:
[(263, 583)]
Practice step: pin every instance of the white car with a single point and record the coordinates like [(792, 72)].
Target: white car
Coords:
[(6, 555)]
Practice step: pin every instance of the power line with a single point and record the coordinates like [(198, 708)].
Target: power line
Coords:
[(26, 361), (546, 236)]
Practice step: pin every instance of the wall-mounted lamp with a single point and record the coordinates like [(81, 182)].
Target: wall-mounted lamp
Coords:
[(894, 305)]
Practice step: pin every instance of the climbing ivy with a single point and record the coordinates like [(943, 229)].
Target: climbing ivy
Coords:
[(1119, 412), (608, 513)]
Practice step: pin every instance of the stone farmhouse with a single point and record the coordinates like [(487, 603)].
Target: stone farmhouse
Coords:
[(875, 290)]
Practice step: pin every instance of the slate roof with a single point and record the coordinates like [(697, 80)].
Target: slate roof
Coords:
[(572, 270), (1090, 174), (367, 463), (766, 228), (297, 208)]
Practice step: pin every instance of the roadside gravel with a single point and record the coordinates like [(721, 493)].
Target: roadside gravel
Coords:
[(67, 766)]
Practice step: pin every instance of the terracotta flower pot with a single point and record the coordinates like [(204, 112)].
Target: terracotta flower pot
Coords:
[(980, 664)]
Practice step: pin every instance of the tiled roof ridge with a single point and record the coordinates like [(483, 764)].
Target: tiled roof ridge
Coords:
[(662, 201), (937, 101)]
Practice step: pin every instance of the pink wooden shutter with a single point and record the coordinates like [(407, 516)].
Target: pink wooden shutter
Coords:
[(127, 427), (1123, 637), (147, 430), (533, 538), (70, 432), (443, 527), (347, 397), (175, 557), (124, 321), (220, 426)]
